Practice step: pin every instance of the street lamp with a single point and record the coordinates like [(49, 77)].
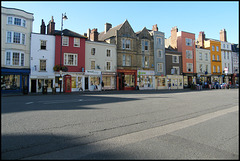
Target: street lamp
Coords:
[(64, 17)]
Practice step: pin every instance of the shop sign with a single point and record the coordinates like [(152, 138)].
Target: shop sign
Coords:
[(146, 72), (92, 72)]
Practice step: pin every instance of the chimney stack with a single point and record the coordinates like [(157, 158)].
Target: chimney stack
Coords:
[(201, 38), (107, 27), (223, 35), (88, 33), (155, 28), (174, 31), (51, 27), (43, 28), (94, 35)]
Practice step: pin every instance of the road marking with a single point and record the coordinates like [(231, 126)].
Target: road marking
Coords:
[(67, 101), (83, 150), (29, 103)]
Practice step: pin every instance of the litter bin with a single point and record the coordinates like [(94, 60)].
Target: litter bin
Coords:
[(44, 91), (25, 90)]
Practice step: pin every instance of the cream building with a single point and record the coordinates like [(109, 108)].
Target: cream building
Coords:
[(16, 28)]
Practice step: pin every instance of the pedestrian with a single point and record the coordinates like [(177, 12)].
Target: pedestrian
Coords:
[(169, 85), (103, 86)]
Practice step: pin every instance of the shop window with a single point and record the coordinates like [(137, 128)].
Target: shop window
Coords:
[(161, 82), (10, 82), (107, 81), (74, 82), (129, 81)]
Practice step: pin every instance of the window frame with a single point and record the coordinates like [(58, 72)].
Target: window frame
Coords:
[(74, 60), (65, 39), (42, 65), (76, 42)]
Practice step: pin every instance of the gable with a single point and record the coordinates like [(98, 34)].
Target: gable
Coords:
[(126, 30)]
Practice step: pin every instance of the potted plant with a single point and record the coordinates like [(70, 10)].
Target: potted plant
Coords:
[(57, 68)]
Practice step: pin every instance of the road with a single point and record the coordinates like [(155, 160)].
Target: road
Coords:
[(122, 125)]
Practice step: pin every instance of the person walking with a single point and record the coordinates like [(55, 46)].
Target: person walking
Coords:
[(103, 86), (169, 85)]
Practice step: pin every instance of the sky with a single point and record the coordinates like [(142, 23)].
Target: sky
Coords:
[(188, 16)]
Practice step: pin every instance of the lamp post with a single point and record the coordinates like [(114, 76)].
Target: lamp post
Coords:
[(64, 17)]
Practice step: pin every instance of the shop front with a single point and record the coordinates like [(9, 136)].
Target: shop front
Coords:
[(160, 82), (93, 79), (37, 83), (109, 80), (126, 79), (189, 79), (145, 79), (176, 81), (14, 80)]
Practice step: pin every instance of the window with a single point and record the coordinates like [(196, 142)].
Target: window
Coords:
[(200, 56), (126, 60), (218, 69), (17, 21), (93, 51), (14, 58), (218, 58), (159, 41), (126, 43), (228, 55), (146, 45), (9, 20), (108, 65), (160, 67), (213, 48), (175, 59), (42, 65), (108, 53), (206, 56), (188, 54), (92, 64), (146, 61), (176, 70), (9, 37), (223, 45), (217, 48), (16, 37), (213, 57), (188, 42), (43, 45), (189, 67), (76, 42), (160, 55), (225, 54), (206, 68), (70, 59), (214, 69), (65, 41), (24, 23), (8, 58)]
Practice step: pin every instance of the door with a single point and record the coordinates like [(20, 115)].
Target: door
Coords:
[(33, 86), (86, 83)]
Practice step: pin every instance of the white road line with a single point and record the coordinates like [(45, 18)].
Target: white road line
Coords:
[(80, 151), (29, 103)]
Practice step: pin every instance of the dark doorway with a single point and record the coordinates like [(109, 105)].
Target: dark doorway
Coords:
[(33, 86), (86, 83), (189, 81)]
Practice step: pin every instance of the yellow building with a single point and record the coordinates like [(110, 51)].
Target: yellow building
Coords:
[(216, 61)]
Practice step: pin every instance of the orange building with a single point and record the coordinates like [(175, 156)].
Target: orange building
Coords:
[(216, 61)]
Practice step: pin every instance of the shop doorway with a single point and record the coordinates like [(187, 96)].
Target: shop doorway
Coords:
[(33, 86), (86, 83)]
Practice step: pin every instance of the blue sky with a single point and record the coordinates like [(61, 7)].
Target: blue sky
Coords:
[(189, 16)]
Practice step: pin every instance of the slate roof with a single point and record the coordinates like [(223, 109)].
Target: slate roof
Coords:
[(110, 33), (67, 32)]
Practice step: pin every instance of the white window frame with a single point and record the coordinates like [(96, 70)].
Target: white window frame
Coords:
[(110, 66), (188, 42), (43, 43), (93, 51), (189, 54), (9, 58), (76, 42), (200, 56), (160, 67), (65, 41), (93, 64), (10, 37), (173, 59), (206, 56), (75, 59), (189, 66), (161, 53), (108, 51), (159, 42), (23, 22), (177, 70), (126, 43), (41, 65), (213, 48), (214, 69)]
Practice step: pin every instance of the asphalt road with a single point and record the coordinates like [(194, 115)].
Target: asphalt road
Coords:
[(122, 125)]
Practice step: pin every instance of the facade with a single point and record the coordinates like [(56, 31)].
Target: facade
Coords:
[(159, 57), (216, 59), (125, 39), (42, 62), (235, 64), (101, 65), (203, 66), (184, 42), (173, 70), (145, 60), (226, 54), (16, 28)]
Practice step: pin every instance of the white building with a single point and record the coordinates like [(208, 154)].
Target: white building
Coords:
[(100, 65), (42, 62), (16, 28), (226, 49), (203, 65)]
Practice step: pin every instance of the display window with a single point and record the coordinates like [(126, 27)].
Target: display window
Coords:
[(161, 82), (129, 81), (74, 82), (145, 81), (95, 80), (10, 82)]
